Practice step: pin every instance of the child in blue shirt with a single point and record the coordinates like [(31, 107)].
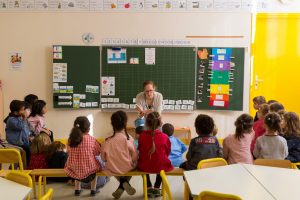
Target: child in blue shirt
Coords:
[(139, 128), (177, 147)]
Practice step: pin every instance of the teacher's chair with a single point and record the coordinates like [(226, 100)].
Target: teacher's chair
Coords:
[(21, 178), (212, 162), (165, 187), (209, 195)]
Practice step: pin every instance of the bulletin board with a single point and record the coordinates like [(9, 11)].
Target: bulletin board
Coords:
[(220, 78), (76, 76), (125, 68)]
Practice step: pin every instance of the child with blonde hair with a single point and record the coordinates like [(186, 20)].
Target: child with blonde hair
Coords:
[(82, 164), (39, 148), (119, 153), (236, 147), (271, 145), (154, 149)]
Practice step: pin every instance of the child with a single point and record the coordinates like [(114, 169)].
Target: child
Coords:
[(236, 148), (257, 101), (154, 149), (37, 119), (258, 126), (177, 147), (30, 99), (204, 146), (271, 145), (291, 131), (17, 130), (82, 149), (119, 153), (56, 155), (39, 148), (139, 128), (276, 107)]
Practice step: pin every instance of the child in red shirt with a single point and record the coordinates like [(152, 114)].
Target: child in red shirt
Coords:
[(154, 149), (38, 150)]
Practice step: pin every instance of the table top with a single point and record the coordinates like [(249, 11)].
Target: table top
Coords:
[(280, 182), (230, 179), (10, 190)]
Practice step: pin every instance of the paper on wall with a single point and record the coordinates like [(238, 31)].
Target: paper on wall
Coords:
[(150, 56), (108, 86), (60, 72)]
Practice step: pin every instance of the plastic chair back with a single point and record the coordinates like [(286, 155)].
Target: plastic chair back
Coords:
[(11, 156), (274, 163), (48, 195), (212, 162)]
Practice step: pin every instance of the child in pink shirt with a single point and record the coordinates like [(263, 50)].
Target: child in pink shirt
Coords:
[(119, 154), (236, 147)]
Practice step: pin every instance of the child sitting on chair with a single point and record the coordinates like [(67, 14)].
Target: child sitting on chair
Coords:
[(204, 146), (119, 154), (177, 147)]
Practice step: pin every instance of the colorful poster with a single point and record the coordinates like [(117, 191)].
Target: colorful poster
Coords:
[(108, 86), (15, 60), (116, 55)]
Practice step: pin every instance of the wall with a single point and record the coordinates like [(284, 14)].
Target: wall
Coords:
[(34, 33)]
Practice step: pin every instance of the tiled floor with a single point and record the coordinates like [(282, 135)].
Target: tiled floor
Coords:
[(66, 192)]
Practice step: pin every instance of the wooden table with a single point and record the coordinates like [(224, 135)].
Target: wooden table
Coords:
[(231, 179), (10, 190)]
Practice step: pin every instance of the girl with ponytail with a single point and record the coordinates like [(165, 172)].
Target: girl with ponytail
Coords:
[(271, 145), (119, 154), (154, 149), (82, 149), (236, 147)]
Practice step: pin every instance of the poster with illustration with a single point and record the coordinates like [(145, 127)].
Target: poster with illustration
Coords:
[(15, 60)]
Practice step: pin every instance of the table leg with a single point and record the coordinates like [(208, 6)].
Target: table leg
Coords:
[(34, 186), (145, 187)]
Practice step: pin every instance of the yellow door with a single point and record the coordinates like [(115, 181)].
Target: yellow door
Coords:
[(276, 60)]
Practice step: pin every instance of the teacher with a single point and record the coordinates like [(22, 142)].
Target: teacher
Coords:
[(149, 100)]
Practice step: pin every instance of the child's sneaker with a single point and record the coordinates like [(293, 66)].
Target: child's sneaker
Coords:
[(156, 192), (118, 193), (77, 192), (150, 193), (128, 188), (94, 192)]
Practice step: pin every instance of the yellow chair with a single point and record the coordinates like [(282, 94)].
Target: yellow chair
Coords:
[(296, 165), (165, 186), (274, 163), (11, 156), (212, 162), (48, 195), (21, 178), (208, 195)]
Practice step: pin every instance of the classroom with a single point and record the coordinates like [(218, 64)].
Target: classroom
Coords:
[(264, 33)]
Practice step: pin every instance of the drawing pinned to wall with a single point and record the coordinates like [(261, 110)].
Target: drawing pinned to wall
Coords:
[(134, 61), (60, 72), (15, 60), (150, 56), (203, 53), (107, 86), (116, 55)]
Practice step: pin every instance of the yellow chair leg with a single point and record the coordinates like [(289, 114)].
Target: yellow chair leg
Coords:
[(145, 187), (45, 184), (34, 186)]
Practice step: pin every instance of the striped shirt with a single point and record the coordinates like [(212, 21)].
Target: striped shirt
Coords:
[(119, 154), (82, 159)]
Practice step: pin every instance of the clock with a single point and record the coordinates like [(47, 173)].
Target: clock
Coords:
[(88, 38)]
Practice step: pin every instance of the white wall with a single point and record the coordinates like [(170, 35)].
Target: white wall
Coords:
[(33, 34)]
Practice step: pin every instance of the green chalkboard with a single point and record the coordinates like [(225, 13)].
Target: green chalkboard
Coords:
[(217, 74), (76, 76), (173, 71)]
